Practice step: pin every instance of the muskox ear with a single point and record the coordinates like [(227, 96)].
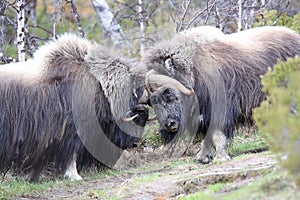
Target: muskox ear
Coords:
[(170, 66)]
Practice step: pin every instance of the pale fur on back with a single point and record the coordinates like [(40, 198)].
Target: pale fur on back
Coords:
[(204, 58), (107, 66)]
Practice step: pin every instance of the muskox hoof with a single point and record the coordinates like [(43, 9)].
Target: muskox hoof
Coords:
[(222, 158), (206, 159), (34, 175), (73, 176), (32, 179)]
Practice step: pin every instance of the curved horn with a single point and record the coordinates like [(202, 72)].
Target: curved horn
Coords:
[(144, 98), (154, 81), (129, 119)]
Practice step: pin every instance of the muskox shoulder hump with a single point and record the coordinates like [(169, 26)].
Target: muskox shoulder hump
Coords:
[(203, 34), (67, 50)]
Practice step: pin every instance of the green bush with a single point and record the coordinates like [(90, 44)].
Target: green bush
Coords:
[(278, 117), (270, 17)]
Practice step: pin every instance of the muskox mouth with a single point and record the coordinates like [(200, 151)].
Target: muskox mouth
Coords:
[(171, 125), (167, 135), (172, 129)]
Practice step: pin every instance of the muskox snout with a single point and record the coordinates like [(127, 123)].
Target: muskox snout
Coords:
[(172, 125)]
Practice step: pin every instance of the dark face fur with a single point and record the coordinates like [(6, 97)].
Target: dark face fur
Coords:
[(168, 106)]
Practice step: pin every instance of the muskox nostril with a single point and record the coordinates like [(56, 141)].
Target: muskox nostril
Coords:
[(170, 124)]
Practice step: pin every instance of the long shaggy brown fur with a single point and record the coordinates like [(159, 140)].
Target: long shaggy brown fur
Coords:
[(223, 70), (36, 122)]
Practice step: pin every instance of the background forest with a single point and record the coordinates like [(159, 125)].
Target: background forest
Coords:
[(133, 25)]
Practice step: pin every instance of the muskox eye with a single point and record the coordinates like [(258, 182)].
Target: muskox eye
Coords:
[(169, 95), (153, 100)]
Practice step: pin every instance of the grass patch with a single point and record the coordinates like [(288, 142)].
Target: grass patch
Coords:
[(216, 187), (208, 194), (16, 186), (95, 174), (99, 194), (96, 193), (21, 187), (247, 143), (199, 195), (276, 185), (147, 178)]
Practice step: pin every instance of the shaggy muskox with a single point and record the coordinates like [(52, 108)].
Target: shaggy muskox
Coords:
[(224, 73), (55, 107)]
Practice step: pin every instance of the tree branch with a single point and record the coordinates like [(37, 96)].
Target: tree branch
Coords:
[(185, 10), (77, 17)]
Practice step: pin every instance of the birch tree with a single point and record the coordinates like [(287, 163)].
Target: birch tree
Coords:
[(32, 11), (21, 26), (239, 16), (106, 17), (142, 27), (77, 17), (3, 27)]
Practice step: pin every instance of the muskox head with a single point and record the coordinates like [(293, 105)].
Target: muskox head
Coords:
[(168, 105), (173, 103)]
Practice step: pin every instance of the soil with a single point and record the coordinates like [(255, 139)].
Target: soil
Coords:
[(167, 179)]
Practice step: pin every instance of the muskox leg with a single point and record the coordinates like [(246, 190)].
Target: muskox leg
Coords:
[(71, 172), (220, 143), (215, 142), (34, 175), (206, 153)]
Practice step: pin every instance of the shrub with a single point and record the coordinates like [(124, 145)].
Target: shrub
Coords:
[(272, 18), (278, 117)]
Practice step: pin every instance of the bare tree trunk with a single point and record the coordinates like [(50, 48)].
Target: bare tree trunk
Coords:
[(217, 17), (185, 6), (112, 28), (3, 27), (142, 27), (251, 14), (3, 7), (77, 17), (57, 15), (21, 21), (239, 18), (32, 12)]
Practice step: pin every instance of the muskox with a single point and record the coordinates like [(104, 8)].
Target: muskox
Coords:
[(223, 71), (55, 107)]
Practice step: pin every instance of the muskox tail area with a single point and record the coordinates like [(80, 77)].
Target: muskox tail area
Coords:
[(36, 123)]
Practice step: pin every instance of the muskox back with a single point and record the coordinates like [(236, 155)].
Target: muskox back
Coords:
[(37, 112)]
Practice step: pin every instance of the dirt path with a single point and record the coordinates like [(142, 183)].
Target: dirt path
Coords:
[(167, 180), (188, 179)]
